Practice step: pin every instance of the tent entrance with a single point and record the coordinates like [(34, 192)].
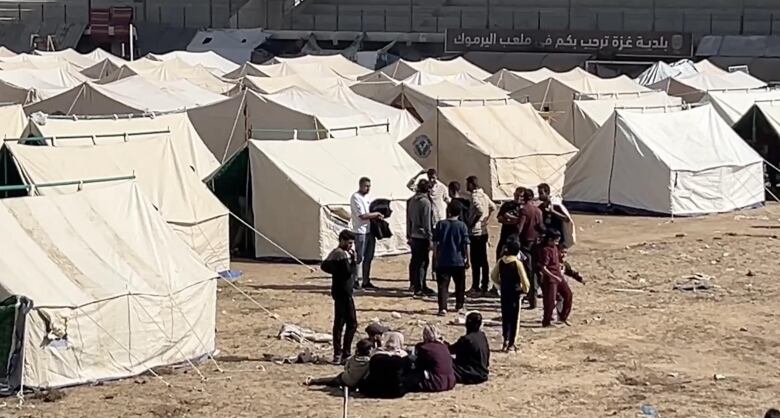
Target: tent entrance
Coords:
[(232, 184), (759, 133), (13, 315)]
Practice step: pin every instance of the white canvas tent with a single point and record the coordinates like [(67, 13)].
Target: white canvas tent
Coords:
[(677, 163), (227, 125), (24, 86), (661, 71), (100, 70), (760, 128), (424, 99), (83, 60), (557, 95), (692, 88), (171, 70), (13, 122), (267, 85), (183, 200), (402, 69), (587, 116), (114, 291), (128, 95), (312, 182), (504, 146), (218, 65), (6, 53), (516, 80), (732, 105), (337, 63), (100, 130)]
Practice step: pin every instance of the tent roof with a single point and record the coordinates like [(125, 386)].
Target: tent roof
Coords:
[(507, 131), (170, 185), (209, 59), (402, 69), (77, 248), (340, 107), (772, 113), (463, 79), (13, 121), (6, 53), (79, 60), (446, 90), (705, 66), (188, 144), (275, 84), (42, 79), (689, 140), (732, 105), (661, 71), (327, 170), (594, 85), (600, 110), (705, 81), (337, 63), (171, 70)]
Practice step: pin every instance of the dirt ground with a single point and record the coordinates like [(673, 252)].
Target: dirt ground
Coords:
[(634, 340)]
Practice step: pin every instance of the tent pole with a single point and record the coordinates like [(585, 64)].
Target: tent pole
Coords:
[(64, 183)]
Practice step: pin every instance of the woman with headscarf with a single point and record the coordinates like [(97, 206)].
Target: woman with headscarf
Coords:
[(387, 368), (433, 366)]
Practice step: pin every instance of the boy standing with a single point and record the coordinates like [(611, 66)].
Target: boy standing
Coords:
[(341, 265), (451, 257), (510, 275), (548, 263)]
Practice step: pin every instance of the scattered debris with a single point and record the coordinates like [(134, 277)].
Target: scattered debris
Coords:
[(648, 411), (673, 375), (590, 359), (396, 315), (299, 334), (49, 395), (680, 235), (695, 283), (743, 329), (719, 377), (598, 221), (750, 273)]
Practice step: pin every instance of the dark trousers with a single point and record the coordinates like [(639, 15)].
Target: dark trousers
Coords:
[(418, 265), (443, 276), (480, 267), (530, 270), (550, 291), (510, 315), (344, 318)]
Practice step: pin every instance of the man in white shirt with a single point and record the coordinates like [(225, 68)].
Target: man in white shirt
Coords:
[(365, 242), (479, 213), (437, 191)]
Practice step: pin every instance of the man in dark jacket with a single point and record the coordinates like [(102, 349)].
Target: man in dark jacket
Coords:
[(472, 353), (419, 232), (341, 265)]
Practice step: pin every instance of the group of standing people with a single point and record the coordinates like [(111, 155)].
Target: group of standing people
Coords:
[(529, 253), (383, 367), (452, 226)]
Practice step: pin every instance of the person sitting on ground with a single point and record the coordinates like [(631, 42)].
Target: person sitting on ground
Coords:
[(386, 369), (355, 369), (510, 276), (433, 366), (772, 413), (375, 332), (549, 265), (472, 353)]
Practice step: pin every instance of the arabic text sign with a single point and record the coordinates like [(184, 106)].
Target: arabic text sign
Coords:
[(618, 43)]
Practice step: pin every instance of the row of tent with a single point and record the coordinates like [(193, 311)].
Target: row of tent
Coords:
[(127, 281)]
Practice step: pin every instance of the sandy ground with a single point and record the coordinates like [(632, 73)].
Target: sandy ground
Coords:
[(633, 340)]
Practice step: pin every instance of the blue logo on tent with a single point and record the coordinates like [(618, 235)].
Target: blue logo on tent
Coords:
[(423, 146)]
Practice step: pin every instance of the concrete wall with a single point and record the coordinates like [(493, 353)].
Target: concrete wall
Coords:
[(698, 16)]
